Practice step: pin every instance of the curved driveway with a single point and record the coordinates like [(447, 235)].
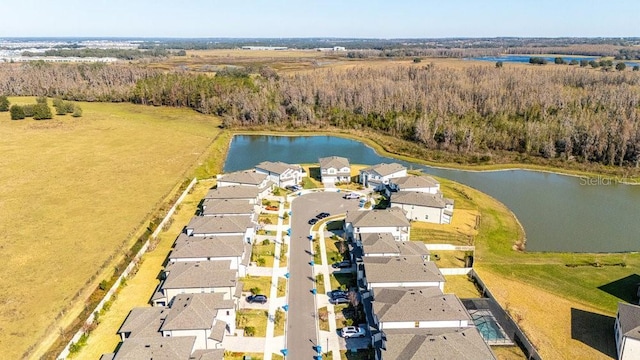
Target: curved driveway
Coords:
[(301, 318)]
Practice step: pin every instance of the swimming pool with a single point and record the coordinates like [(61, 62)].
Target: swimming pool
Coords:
[(488, 327)]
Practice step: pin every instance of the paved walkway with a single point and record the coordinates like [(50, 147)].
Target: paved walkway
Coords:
[(275, 344), (261, 270), (330, 338)]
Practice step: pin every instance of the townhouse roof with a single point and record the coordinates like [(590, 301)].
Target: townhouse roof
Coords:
[(384, 169), (144, 321), (417, 304), (246, 177), (199, 274), (377, 243), (207, 247), (220, 224), (226, 206), (210, 354), (336, 162), (438, 343), (156, 348), (218, 331), (391, 217), (277, 167), (411, 182), (390, 269), (629, 316), (419, 198), (233, 192), (195, 311)]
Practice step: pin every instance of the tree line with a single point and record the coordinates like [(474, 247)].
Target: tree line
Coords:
[(564, 113)]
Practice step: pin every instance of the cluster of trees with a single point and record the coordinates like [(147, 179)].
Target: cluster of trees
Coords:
[(38, 111), (79, 82), (4, 103), (123, 54), (66, 107), (561, 113), (605, 64)]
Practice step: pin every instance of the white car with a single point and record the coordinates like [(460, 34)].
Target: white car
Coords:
[(351, 196), (352, 331)]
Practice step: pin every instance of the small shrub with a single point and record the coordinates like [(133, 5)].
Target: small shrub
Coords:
[(255, 290), (260, 261), (103, 285), (266, 242), (249, 331)]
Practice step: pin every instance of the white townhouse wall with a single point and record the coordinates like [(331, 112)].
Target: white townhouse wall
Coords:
[(421, 183), (281, 174), (392, 221), (424, 207), (380, 175), (335, 169), (627, 331)]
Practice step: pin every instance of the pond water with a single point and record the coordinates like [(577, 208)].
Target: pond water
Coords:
[(559, 213), (550, 59)]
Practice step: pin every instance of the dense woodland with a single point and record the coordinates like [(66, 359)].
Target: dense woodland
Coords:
[(565, 113)]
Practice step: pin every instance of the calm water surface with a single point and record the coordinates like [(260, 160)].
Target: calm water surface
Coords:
[(559, 213)]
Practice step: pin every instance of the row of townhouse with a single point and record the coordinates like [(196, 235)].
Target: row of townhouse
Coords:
[(419, 196), (196, 301), (408, 315)]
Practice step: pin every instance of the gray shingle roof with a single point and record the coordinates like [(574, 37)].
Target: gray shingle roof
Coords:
[(336, 162), (226, 206), (211, 354), (418, 198), (156, 348), (194, 311), (436, 344), (629, 320), (218, 331), (383, 269), (144, 321), (247, 177), (391, 217), (418, 304), (278, 167), (207, 247), (410, 182), (233, 192), (377, 243), (199, 274), (384, 169), (220, 224)]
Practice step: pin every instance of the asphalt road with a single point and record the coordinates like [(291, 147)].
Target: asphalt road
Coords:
[(301, 322)]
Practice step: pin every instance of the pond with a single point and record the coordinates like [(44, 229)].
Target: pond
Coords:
[(550, 59), (559, 213)]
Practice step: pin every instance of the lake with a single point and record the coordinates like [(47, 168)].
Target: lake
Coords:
[(550, 59), (559, 213)]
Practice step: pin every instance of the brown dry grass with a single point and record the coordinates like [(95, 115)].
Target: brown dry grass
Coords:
[(461, 231), (73, 193), (549, 321)]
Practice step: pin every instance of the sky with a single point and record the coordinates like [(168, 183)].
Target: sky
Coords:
[(315, 18)]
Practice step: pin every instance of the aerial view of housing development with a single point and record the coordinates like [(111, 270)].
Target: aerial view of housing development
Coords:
[(360, 180)]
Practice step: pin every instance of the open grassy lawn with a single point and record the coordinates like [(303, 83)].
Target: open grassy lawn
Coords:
[(140, 287), (264, 252), (348, 280), (461, 286), (254, 318), (261, 282), (284, 248), (74, 191), (323, 318), (282, 287)]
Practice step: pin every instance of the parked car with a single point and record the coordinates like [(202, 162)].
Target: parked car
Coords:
[(339, 300), (257, 299), (294, 188), (313, 221), (272, 208), (323, 215), (352, 331), (341, 264), (337, 293), (351, 196)]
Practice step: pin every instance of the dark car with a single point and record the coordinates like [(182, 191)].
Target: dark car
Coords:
[(338, 293), (313, 221), (342, 264), (257, 299), (322, 215), (339, 300)]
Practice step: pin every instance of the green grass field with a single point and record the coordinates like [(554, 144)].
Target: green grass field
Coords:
[(74, 191)]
